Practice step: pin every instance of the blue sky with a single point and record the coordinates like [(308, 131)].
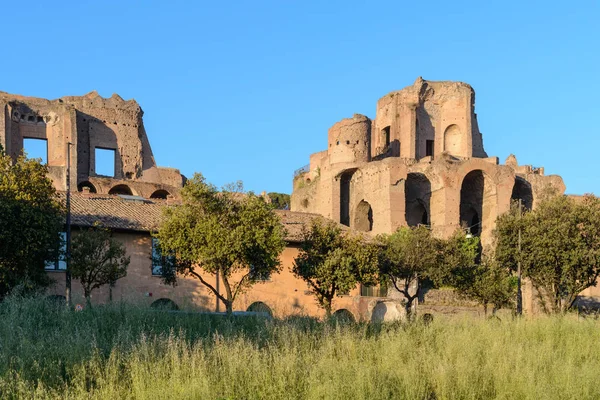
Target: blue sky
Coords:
[(247, 90)]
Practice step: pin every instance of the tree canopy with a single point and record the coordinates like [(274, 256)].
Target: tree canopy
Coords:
[(31, 219), (97, 259), (333, 262), (560, 251), (280, 201), (231, 234)]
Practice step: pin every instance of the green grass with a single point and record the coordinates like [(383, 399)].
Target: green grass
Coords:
[(123, 351)]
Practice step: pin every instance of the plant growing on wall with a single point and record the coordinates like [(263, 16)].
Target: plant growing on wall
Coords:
[(228, 235), (333, 262), (31, 219), (560, 249), (97, 259)]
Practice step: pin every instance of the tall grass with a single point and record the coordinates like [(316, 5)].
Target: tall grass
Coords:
[(123, 351)]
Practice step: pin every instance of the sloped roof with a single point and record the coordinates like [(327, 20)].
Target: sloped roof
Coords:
[(132, 213)]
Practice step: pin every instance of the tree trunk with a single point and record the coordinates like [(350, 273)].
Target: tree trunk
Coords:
[(228, 307), (88, 301), (327, 306), (408, 307)]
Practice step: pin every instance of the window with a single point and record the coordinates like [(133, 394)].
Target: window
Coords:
[(36, 148), (60, 263), (105, 162), (386, 135), (373, 291), (160, 262), (429, 148)]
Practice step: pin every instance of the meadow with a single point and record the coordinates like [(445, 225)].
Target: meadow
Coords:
[(130, 352)]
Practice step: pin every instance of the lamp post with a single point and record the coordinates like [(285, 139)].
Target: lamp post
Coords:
[(68, 230)]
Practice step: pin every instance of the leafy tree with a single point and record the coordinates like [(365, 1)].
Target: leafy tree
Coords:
[(560, 251), (97, 259), (31, 219), (230, 234), (409, 259), (332, 262), (280, 201)]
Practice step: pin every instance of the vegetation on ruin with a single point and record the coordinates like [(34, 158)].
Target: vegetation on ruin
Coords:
[(560, 248), (279, 201), (126, 352), (332, 262), (97, 259), (229, 233), (31, 219)]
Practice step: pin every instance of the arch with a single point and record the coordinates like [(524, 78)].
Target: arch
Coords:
[(343, 315), (260, 307), (345, 195), (121, 189), (164, 304), (522, 191), (453, 140), (417, 197), (363, 217), (160, 194), (86, 184), (477, 202)]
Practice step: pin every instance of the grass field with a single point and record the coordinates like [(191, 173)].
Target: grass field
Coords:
[(123, 351)]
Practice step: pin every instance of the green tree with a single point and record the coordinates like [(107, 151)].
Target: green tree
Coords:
[(280, 201), (230, 234), (409, 259), (333, 262), (560, 252), (97, 259), (31, 219)]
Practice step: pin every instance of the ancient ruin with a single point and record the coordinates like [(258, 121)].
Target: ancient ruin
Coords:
[(92, 124), (420, 161)]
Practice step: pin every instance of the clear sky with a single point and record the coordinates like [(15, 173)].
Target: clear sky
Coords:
[(246, 90)]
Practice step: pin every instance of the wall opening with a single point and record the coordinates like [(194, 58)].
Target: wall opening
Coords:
[(36, 149), (160, 194), (343, 315), (522, 191), (429, 148), (418, 197), (121, 189), (345, 194), (476, 202), (164, 304), (453, 140), (260, 307), (81, 187), (363, 217), (386, 136), (105, 162)]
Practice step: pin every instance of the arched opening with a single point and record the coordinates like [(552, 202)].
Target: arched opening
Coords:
[(345, 195), (343, 315), (418, 196), (160, 194), (363, 217), (260, 307), (121, 189), (522, 191), (86, 185), (477, 202), (453, 140), (164, 304)]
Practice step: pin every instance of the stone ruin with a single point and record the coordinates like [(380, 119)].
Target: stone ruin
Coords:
[(90, 123), (420, 161)]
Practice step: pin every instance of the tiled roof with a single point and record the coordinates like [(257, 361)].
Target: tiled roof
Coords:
[(143, 215)]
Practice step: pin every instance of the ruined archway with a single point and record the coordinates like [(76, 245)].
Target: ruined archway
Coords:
[(260, 307), (345, 195), (160, 194), (417, 197), (363, 217), (522, 191), (477, 202), (453, 140), (121, 189), (86, 185), (343, 315)]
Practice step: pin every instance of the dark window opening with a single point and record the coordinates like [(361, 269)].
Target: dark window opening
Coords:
[(429, 148), (40, 119), (36, 149), (160, 263), (105, 162), (386, 134), (424, 218), (31, 118), (60, 262), (160, 194), (86, 186), (345, 195), (121, 189)]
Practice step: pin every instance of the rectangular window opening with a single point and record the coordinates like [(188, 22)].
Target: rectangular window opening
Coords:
[(160, 262), (386, 133), (105, 162), (429, 148), (60, 262), (36, 148)]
